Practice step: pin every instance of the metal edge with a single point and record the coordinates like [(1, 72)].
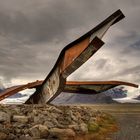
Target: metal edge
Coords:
[(101, 82)]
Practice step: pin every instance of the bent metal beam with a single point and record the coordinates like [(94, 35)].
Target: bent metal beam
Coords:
[(71, 86), (94, 86), (54, 84), (71, 58)]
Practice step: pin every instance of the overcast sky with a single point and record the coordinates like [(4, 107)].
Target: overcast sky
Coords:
[(33, 32)]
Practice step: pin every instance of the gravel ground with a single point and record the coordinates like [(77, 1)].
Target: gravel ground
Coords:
[(46, 122), (129, 126)]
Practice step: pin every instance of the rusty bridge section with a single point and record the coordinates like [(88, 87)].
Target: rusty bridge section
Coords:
[(70, 59)]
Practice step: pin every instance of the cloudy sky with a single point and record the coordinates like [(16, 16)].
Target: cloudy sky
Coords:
[(33, 32)]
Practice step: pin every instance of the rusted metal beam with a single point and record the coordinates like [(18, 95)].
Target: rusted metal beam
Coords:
[(101, 82), (79, 60), (53, 85), (71, 86), (70, 59), (94, 86), (15, 89)]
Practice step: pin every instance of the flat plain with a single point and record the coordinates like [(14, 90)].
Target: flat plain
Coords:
[(127, 117)]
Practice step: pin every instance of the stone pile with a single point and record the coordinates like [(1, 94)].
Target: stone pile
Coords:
[(46, 122)]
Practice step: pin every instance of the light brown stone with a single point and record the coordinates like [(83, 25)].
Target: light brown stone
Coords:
[(62, 133), (21, 119), (3, 136), (39, 131), (4, 117)]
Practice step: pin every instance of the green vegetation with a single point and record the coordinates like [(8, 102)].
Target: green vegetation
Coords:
[(93, 127), (101, 128)]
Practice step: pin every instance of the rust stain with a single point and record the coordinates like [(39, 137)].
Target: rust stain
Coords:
[(73, 53), (13, 90), (93, 86), (91, 49), (101, 83)]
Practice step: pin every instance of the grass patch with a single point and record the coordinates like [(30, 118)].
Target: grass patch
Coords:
[(103, 126)]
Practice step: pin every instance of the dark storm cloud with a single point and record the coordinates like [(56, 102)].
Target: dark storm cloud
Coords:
[(28, 35), (44, 27), (46, 24), (133, 47), (136, 45)]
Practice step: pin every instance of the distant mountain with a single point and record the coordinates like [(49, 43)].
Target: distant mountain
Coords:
[(119, 92), (1, 86), (17, 95), (70, 98), (105, 97), (1, 90), (137, 98)]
